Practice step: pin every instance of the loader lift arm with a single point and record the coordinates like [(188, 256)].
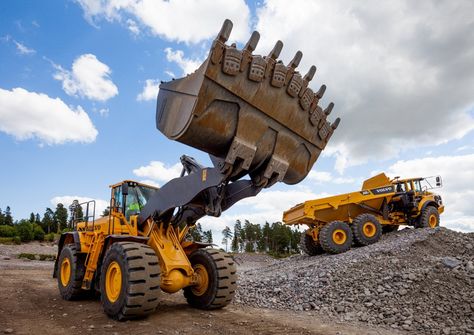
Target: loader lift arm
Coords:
[(203, 191)]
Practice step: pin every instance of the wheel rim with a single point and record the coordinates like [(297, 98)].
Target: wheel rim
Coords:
[(369, 229), (339, 236), (113, 281), (65, 271), (432, 221), (202, 280)]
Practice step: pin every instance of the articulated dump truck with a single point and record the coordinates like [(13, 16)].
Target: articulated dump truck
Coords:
[(381, 206), (254, 116)]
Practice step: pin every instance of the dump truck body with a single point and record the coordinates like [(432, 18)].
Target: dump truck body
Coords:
[(254, 116), (387, 203)]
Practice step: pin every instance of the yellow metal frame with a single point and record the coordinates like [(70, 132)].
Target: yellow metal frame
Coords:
[(167, 241)]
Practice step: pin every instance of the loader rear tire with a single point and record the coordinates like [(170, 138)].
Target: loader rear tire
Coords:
[(309, 246), (429, 218), (335, 237), (129, 281), (70, 273), (366, 229), (218, 282)]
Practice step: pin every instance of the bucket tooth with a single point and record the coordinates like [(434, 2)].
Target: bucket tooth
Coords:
[(336, 123), (225, 31), (276, 50), (329, 108), (309, 76), (320, 92), (252, 113), (296, 60), (252, 42)]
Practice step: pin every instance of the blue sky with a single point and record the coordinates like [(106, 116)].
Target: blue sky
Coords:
[(401, 77)]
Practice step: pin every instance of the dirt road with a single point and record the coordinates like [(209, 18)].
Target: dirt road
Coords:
[(30, 304)]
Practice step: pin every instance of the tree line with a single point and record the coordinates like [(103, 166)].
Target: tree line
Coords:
[(276, 238)]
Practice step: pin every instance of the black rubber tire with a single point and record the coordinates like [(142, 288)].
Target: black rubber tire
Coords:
[(426, 213), (72, 291), (309, 246), (222, 273), (360, 238), (326, 237), (140, 290), (389, 228)]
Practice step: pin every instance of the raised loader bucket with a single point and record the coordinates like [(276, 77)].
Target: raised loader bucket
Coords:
[(252, 114)]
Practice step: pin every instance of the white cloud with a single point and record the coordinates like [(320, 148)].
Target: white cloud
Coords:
[(26, 115), (150, 90), (458, 184), (321, 177), (158, 171), (189, 21), (187, 65), (67, 200), (133, 27), (388, 66), (89, 78), (23, 49)]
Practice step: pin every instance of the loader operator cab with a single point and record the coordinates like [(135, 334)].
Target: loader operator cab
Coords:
[(129, 197)]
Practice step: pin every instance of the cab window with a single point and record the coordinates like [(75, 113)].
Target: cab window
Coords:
[(417, 185), (401, 187), (118, 198)]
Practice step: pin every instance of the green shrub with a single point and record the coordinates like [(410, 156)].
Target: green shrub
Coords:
[(7, 231), (25, 231), (38, 233), (27, 256), (6, 240), (17, 240), (49, 237)]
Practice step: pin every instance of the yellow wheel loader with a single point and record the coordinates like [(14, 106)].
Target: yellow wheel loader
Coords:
[(255, 116), (336, 223)]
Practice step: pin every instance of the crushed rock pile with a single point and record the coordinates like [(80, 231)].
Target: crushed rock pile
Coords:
[(419, 281)]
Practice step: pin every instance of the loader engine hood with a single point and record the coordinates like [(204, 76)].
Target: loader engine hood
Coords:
[(252, 114)]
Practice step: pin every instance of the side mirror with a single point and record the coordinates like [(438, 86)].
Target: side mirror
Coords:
[(438, 181), (125, 189)]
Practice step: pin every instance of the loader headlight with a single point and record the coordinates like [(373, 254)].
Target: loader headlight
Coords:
[(438, 199)]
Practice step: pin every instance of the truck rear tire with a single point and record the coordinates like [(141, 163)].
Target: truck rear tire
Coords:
[(70, 273), (309, 246), (335, 237), (366, 229), (429, 218), (218, 282), (129, 281)]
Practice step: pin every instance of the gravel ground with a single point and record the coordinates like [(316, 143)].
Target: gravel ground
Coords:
[(417, 281), (9, 255)]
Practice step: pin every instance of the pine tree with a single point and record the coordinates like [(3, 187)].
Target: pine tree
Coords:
[(196, 233), (8, 220), (38, 219), (236, 241), (106, 212), (32, 217), (2, 218), (60, 216), (207, 236), (48, 221), (227, 235)]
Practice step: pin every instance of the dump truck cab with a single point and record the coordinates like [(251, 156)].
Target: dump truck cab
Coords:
[(413, 195)]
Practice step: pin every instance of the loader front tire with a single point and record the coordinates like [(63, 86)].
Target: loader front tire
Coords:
[(429, 218), (309, 246), (366, 229), (129, 281), (70, 273), (335, 237), (217, 275)]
